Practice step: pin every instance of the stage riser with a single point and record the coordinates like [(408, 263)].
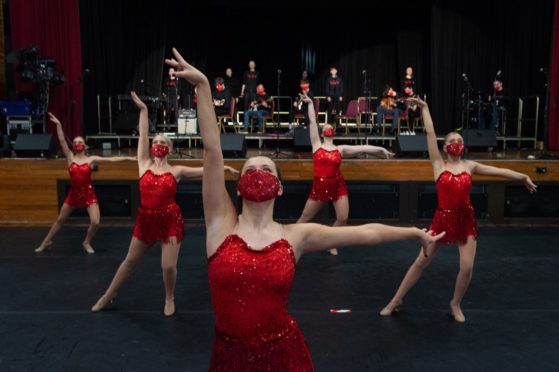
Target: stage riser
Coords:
[(31, 191)]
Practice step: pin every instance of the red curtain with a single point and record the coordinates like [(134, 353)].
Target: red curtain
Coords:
[(54, 27), (554, 86)]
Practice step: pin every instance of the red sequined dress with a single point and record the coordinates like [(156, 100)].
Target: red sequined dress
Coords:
[(82, 194), (328, 184), (159, 217), (253, 330), (455, 213)]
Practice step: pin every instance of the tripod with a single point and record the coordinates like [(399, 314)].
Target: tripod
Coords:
[(277, 153)]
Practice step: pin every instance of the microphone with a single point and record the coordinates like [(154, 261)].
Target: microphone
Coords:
[(86, 71), (279, 71), (464, 76), (364, 72), (498, 74)]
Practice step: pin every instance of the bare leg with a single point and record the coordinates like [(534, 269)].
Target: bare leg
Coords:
[(312, 207), (136, 252), (412, 276), (94, 216), (341, 206), (467, 256), (169, 258), (65, 212)]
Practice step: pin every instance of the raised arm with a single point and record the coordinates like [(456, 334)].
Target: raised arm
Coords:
[(61, 137), (487, 170), (219, 213), (434, 153), (313, 126), (310, 237), (350, 151), (144, 159)]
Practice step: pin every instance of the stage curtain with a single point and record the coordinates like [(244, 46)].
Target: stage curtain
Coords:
[(554, 89), (54, 27)]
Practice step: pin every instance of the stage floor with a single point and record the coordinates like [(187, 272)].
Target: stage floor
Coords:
[(512, 307)]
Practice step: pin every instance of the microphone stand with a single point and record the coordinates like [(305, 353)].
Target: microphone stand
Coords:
[(545, 154), (277, 153)]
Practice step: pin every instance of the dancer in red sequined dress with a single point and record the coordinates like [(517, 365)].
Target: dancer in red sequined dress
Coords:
[(454, 214), (329, 185), (252, 258), (82, 194), (159, 217)]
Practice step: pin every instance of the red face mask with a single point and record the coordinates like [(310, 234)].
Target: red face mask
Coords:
[(455, 149), (305, 87), (260, 92), (391, 93), (159, 150), (78, 148), (258, 186), (219, 88), (328, 132), (408, 91)]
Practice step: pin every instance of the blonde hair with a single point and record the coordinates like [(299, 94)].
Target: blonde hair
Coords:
[(450, 134), (168, 141)]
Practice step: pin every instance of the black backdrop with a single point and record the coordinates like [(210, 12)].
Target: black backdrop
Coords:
[(124, 42)]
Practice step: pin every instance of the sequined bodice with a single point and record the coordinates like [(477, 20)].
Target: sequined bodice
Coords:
[(157, 190), (453, 190), (250, 288), (80, 175), (327, 163)]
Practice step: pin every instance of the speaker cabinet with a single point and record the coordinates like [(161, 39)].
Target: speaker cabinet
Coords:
[(233, 146), (35, 145)]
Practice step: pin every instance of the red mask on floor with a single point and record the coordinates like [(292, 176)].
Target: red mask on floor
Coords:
[(78, 148), (328, 132), (455, 149), (258, 186), (159, 150)]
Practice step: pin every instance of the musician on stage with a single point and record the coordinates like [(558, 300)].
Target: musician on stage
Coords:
[(232, 84), (173, 96), (261, 105), (251, 79), (389, 106), (335, 94), (299, 106), (494, 110), (221, 97)]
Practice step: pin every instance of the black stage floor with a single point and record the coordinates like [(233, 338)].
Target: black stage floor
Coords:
[(512, 307)]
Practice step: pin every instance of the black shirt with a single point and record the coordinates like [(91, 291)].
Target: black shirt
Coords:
[(223, 95), (334, 87), (251, 80), (232, 83)]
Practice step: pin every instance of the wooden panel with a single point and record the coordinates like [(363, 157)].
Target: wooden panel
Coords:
[(28, 193)]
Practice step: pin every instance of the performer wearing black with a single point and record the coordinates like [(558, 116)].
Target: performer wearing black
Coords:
[(221, 98), (232, 84), (300, 107), (260, 106), (173, 96), (408, 81), (408, 89), (494, 110), (250, 81), (335, 94)]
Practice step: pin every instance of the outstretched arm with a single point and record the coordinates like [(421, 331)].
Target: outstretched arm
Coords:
[(111, 159), (61, 138), (434, 153), (487, 170), (219, 212), (313, 126), (350, 151), (310, 237), (189, 173), (144, 160)]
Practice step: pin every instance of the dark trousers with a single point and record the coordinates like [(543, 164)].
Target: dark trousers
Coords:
[(334, 107)]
